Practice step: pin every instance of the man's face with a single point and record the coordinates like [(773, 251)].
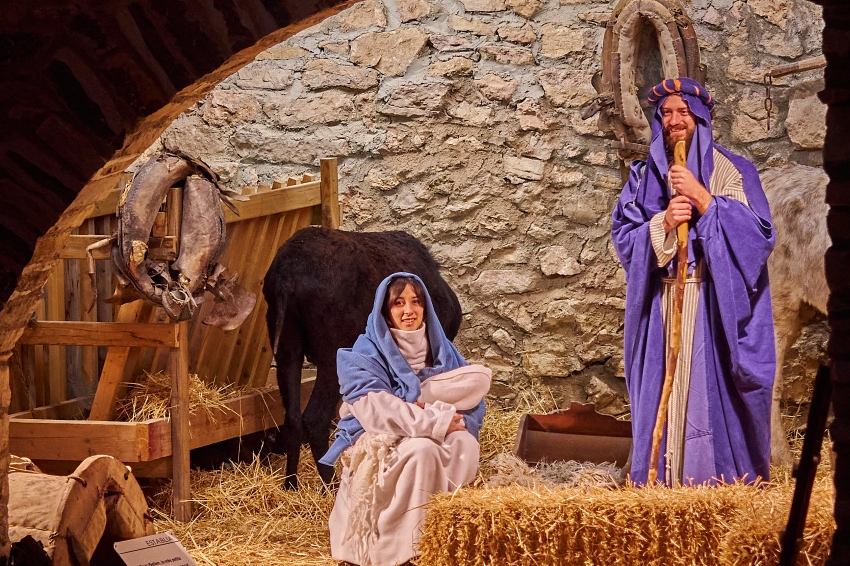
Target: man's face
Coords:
[(677, 121)]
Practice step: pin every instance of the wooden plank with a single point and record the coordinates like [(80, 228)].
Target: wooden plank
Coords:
[(274, 202), (55, 303), (217, 347), (77, 440), (205, 342), (101, 334), (181, 497), (73, 311), (89, 369), (148, 441), (72, 409), (251, 280), (159, 249), (329, 189), (39, 363), (103, 405), (255, 370), (242, 362)]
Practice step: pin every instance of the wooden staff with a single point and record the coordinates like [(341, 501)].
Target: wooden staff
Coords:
[(680, 157)]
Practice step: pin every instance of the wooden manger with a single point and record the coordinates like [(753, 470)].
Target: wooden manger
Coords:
[(98, 349)]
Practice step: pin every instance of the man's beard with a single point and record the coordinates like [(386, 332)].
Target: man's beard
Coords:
[(669, 138)]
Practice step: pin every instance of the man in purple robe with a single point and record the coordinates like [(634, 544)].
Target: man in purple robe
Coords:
[(719, 418)]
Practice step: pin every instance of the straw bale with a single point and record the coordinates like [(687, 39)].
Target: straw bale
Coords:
[(726, 525)]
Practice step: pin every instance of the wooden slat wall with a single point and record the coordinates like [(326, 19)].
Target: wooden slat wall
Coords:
[(242, 356)]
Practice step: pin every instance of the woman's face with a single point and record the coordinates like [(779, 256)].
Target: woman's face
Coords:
[(407, 312)]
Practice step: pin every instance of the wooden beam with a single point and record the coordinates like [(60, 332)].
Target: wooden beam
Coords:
[(329, 181), (77, 440), (181, 497), (148, 441), (159, 249), (273, 202), (103, 405), (128, 334)]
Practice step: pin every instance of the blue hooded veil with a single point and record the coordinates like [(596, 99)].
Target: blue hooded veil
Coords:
[(375, 363), (731, 387)]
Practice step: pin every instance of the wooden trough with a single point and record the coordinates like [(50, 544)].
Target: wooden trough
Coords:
[(578, 433), (100, 348)]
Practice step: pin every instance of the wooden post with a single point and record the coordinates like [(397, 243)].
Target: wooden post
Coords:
[(329, 191), (179, 370), (57, 364), (5, 393)]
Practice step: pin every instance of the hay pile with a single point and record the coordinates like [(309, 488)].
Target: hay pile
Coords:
[(507, 470), (150, 397), (243, 516), (731, 525)]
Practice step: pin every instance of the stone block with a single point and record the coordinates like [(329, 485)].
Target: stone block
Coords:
[(265, 144), (473, 26), (782, 44), (558, 41), (498, 282), (265, 76), (329, 107), (341, 47), (409, 10), (483, 5), (495, 87), (454, 67), (390, 52), (556, 260), (564, 87), (450, 43), (559, 313), (544, 364), (524, 168), (281, 52), (473, 114), (411, 100), (195, 138), (774, 11), (517, 34), (504, 340), (746, 129), (507, 54), (525, 8), (528, 115), (225, 107), (324, 73), (806, 122), (363, 15)]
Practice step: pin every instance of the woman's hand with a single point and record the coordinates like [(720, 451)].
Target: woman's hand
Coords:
[(456, 425)]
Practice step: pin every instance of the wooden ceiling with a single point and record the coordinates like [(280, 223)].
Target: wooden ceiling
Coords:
[(82, 77)]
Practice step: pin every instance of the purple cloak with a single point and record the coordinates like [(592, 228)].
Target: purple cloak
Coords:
[(728, 420)]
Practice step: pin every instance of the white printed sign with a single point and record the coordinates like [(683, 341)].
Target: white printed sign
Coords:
[(156, 550)]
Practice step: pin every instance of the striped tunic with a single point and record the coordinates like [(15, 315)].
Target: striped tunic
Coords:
[(725, 181)]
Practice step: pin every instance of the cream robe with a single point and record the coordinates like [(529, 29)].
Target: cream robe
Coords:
[(415, 460)]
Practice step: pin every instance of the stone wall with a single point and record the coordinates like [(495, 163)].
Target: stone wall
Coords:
[(458, 121)]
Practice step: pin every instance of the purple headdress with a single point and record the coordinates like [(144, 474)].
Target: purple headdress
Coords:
[(701, 152)]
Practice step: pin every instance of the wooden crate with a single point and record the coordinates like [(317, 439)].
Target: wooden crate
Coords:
[(101, 347)]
